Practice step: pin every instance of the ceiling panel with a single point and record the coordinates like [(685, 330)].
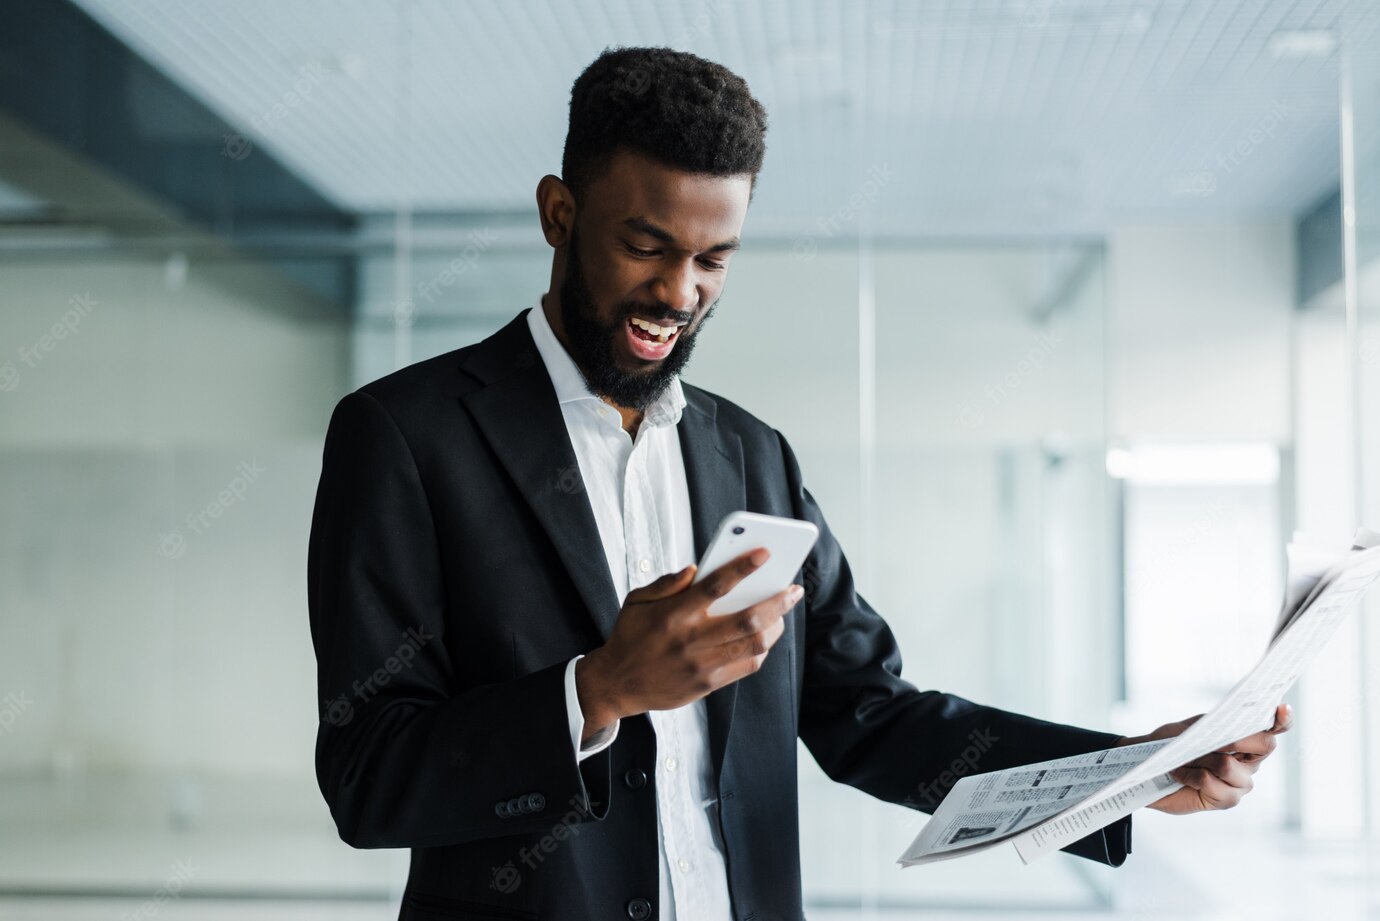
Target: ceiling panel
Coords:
[(991, 118)]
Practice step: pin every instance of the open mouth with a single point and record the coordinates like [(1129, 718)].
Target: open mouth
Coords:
[(649, 340)]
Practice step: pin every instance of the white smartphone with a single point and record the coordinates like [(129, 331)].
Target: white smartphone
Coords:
[(787, 539)]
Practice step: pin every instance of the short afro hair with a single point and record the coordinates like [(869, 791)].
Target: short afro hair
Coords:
[(675, 107)]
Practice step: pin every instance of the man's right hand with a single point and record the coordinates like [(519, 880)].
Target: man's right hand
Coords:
[(667, 650)]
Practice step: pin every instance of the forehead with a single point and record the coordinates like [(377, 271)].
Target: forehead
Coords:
[(697, 208)]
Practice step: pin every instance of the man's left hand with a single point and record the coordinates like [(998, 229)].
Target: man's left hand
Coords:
[(1218, 780)]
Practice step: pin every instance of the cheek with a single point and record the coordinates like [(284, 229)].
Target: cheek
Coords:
[(615, 282)]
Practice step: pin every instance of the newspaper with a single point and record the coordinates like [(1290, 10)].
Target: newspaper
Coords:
[(1043, 807)]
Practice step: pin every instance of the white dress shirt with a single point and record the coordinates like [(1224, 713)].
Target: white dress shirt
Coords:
[(637, 490)]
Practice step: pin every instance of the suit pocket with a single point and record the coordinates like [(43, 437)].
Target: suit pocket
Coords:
[(422, 907)]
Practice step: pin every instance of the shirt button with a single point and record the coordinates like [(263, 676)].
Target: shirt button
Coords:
[(670, 764), (644, 565), (684, 867)]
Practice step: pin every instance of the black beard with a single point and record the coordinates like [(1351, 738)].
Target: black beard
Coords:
[(592, 343)]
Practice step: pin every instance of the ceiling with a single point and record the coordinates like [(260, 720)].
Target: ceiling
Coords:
[(994, 118)]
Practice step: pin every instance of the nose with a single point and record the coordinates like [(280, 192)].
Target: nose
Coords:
[(675, 287)]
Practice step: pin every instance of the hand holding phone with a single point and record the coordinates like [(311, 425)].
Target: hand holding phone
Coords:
[(668, 648), (788, 540)]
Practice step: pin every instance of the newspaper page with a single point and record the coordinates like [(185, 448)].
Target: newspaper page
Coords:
[(1248, 707), (989, 809), (985, 810)]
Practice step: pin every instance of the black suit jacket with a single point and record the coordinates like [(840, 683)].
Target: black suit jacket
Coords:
[(455, 567)]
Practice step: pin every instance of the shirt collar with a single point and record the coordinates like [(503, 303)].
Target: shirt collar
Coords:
[(570, 383)]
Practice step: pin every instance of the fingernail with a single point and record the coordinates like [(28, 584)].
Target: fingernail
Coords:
[(758, 556), (796, 593)]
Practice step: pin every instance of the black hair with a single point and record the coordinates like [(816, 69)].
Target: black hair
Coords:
[(679, 109)]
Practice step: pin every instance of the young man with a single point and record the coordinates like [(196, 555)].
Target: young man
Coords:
[(518, 680)]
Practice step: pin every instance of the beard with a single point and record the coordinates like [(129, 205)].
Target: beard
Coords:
[(594, 346)]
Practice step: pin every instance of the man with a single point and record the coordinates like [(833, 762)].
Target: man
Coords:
[(518, 678)]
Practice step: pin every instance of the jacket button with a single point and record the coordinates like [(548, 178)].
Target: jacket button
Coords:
[(515, 806), (635, 779), (536, 802), (639, 909), (502, 810)]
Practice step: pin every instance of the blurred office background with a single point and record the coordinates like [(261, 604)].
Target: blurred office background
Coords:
[(1071, 310)]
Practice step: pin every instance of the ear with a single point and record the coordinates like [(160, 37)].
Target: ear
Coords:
[(556, 210)]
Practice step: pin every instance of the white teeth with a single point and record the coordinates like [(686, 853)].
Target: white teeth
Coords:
[(662, 332)]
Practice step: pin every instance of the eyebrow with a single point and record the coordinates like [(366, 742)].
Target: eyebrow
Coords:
[(642, 225)]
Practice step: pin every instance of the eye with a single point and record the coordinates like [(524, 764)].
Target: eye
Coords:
[(712, 265), (638, 251)]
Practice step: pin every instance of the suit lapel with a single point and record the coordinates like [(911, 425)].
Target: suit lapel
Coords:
[(518, 413), (714, 475)]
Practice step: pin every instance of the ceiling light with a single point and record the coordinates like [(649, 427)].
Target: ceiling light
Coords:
[(1301, 43)]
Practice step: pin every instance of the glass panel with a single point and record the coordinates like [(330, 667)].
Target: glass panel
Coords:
[(1362, 225), (989, 514)]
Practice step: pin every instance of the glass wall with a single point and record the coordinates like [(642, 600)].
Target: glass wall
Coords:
[(1361, 230)]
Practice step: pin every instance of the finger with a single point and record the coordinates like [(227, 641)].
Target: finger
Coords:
[(662, 587), (1212, 790), (753, 619), (1229, 769), (752, 646), (722, 580), (742, 667), (1258, 745)]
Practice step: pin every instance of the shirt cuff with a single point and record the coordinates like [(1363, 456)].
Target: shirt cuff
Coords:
[(601, 739)]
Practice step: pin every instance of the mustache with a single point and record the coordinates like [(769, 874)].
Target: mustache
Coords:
[(627, 311)]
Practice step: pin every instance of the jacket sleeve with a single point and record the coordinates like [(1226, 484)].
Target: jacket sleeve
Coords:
[(869, 728), (408, 753)]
